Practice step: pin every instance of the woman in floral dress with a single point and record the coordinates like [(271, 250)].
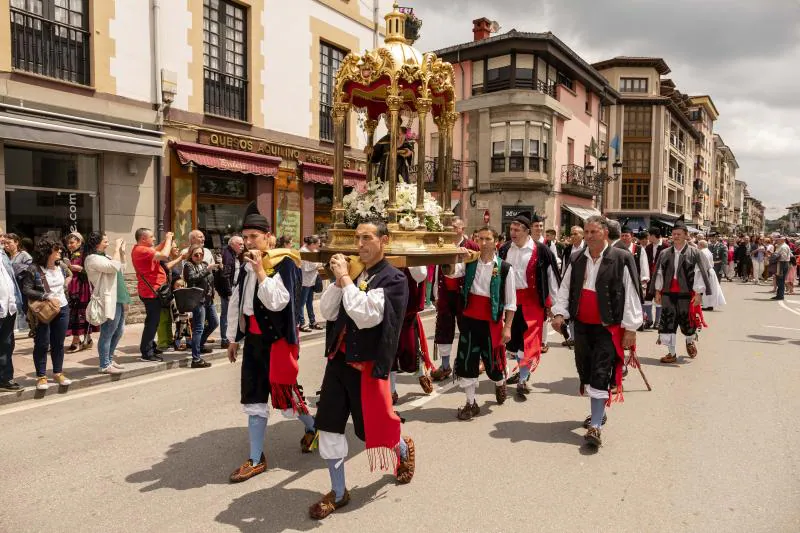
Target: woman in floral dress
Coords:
[(79, 292)]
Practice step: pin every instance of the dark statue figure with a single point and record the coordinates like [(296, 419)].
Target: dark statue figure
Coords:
[(379, 156)]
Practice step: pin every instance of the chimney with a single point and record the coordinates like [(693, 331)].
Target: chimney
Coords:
[(481, 28)]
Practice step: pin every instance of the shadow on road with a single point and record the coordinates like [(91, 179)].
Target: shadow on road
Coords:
[(566, 387), (220, 452), (548, 432), (258, 511)]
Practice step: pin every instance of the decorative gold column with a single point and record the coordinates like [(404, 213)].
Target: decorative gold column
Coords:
[(440, 160), (370, 126), (393, 103), (340, 110), (423, 108), (449, 121)]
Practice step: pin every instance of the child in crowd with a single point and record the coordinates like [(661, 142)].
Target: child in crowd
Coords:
[(181, 320)]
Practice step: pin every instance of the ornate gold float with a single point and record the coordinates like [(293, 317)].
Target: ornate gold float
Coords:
[(390, 82)]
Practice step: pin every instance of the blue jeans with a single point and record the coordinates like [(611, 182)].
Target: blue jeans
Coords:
[(307, 301), (7, 347), (223, 320), (51, 337), (200, 333), (110, 334), (152, 308), (780, 278)]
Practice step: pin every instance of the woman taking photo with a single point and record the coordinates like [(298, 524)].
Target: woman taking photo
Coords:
[(79, 291), (197, 273), (110, 294), (46, 279)]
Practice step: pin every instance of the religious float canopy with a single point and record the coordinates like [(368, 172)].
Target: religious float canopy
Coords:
[(393, 82)]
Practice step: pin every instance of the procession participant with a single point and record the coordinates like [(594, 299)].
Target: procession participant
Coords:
[(599, 294), (447, 302), (681, 281), (261, 313), (412, 349), (489, 301), (536, 282), (719, 254), (537, 234), (716, 298), (571, 252), (653, 250), (626, 242), (365, 309)]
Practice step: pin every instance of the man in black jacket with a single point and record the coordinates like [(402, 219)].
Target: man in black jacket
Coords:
[(226, 280)]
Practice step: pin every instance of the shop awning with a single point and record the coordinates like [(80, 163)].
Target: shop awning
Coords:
[(77, 133), (581, 212), (315, 173), (225, 159)]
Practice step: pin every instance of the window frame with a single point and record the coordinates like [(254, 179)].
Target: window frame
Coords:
[(220, 87), (498, 158), (335, 56), (634, 85), (635, 192)]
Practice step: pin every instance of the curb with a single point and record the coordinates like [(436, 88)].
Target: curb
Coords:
[(179, 361)]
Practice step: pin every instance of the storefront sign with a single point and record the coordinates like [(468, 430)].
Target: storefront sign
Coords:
[(246, 144), (511, 211)]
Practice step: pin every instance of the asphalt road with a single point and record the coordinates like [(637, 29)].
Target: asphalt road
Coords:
[(712, 448)]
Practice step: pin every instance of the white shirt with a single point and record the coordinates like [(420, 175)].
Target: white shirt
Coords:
[(519, 259), (644, 266), (632, 310), (365, 308), (55, 280), (309, 270), (418, 274), (8, 297), (554, 249), (699, 287), (483, 279), (271, 292)]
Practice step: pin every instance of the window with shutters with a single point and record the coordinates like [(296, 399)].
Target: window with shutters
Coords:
[(225, 59), (330, 58)]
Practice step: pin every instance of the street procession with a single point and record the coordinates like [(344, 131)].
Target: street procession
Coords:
[(306, 265)]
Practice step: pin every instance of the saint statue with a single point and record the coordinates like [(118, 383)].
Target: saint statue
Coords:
[(379, 156)]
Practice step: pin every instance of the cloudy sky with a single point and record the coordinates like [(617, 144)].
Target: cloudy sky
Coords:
[(745, 54)]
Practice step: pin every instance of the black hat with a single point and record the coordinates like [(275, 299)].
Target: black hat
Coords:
[(680, 224), (524, 218), (642, 233), (253, 219), (625, 227)]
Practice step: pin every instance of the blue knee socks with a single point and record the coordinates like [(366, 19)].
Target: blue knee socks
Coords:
[(598, 410), (524, 373), (403, 449), (257, 425), (337, 477), (393, 381), (445, 361), (308, 422)]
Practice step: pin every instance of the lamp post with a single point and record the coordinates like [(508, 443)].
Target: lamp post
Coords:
[(598, 181)]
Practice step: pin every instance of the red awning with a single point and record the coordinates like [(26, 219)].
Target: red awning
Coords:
[(225, 159), (315, 173)]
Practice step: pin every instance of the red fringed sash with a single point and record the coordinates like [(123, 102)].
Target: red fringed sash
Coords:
[(381, 423), (423, 344), (480, 308), (283, 370), (534, 315)]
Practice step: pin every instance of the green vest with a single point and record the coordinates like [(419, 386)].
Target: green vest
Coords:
[(494, 285)]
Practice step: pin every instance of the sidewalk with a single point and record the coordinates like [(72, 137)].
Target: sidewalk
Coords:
[(82, 367)]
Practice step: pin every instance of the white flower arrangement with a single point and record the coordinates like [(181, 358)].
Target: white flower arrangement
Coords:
[(364, 205)]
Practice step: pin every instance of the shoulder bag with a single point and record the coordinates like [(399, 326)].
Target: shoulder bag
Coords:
[(44, 311), (164, 292)]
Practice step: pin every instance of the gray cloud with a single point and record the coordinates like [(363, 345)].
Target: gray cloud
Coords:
[(745, 54)]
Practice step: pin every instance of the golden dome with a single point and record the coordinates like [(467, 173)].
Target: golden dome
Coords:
[(395, 41)]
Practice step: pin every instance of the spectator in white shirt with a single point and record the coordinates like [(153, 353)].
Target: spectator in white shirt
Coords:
[(310, 280)]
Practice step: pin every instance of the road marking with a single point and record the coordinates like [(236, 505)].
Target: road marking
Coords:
[(782, 327), (782, 304), (132, 382), (419, 402)]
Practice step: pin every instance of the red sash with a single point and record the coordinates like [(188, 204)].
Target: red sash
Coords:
[(480, 308), (588, 308), (532, 312), (452, 284), (589, 313)]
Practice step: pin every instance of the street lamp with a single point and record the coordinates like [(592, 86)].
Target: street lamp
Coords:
[(598, 180)]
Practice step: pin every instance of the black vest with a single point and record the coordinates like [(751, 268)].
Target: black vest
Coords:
[(275, 325), (545, 259), (379, 343), (609, 286)]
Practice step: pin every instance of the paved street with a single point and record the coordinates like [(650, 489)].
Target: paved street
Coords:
[(712, 448)]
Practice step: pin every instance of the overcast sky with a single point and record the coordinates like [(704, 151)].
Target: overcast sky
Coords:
[(744, 53)]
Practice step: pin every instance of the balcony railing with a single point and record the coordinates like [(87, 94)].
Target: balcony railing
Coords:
[(49, 48), (574, 180), (225, 95), (431, 170), (677, 142), (505, 83), (676, 175)]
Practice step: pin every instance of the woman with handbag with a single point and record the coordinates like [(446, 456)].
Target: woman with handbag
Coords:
[(198, 273), (79, 292), (43, 284), (110, 298)]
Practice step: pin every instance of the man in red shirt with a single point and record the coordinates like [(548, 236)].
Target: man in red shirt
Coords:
[(146, 260)]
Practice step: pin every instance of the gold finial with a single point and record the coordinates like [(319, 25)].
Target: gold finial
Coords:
[(396, 26)]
